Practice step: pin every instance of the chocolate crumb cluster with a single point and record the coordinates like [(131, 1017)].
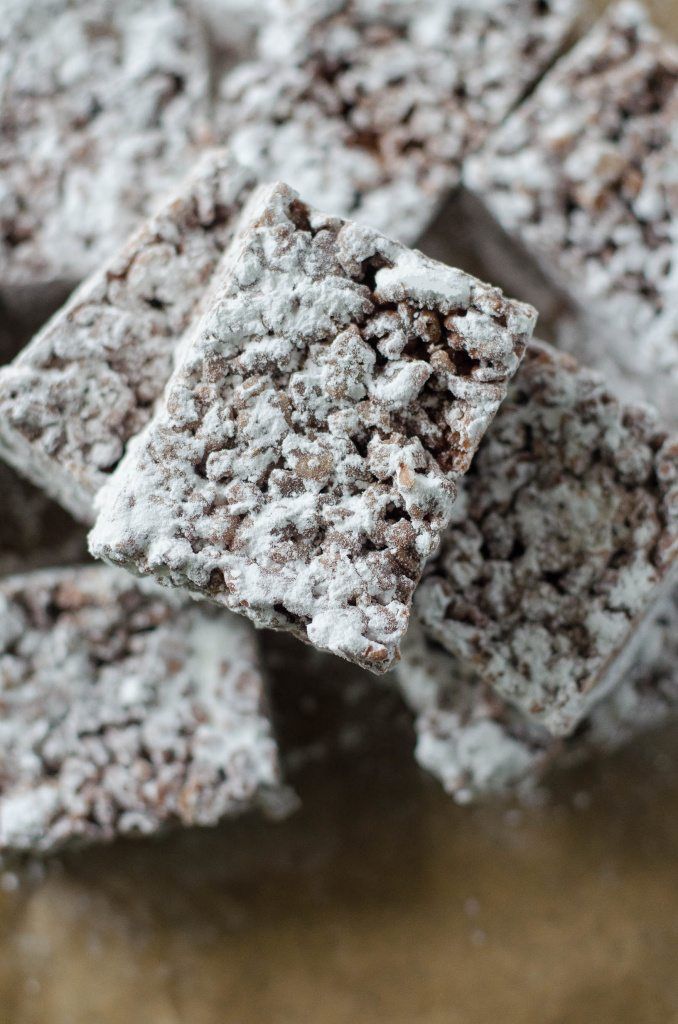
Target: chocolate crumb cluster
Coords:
[(101, 106), (88, 381), (123, 712), (303, 465), (369, 108), (584, 175), (564, 536)]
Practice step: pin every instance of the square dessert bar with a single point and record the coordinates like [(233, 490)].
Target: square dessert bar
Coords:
[(303, 464), (124, 712), (369, 108), (564, 537), (103, 105), (583, 175), (72, 399), (479, 746)]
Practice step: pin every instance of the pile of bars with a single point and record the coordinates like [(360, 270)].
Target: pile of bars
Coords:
[(290, 419)]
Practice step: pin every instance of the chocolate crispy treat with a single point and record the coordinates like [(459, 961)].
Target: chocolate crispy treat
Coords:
[(34, 532), (123, 712), (564, 536), (304, 464), (88, 381), (479, 746), (583, 175), (102, 106), (368, 108)]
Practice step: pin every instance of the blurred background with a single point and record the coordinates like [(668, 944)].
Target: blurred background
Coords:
[(380, 900)]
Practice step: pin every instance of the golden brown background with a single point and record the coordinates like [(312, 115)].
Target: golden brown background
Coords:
[(379, 902)]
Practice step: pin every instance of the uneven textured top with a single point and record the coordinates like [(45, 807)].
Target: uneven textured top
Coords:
[(118, 332), (34, 532), (304, 466), (585, 173), (368, 108), (123, 711), (101, 106), (561, 537)]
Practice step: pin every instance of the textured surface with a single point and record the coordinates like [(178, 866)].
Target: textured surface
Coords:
[(123, 712), (34, 532), (479, 746), (470, 739), (304, 465), (564, 533), (118, 332), (102, 105), (367, 108), (584, 175)]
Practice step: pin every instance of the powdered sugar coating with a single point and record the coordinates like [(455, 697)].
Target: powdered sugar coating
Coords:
[(34, 532), (303, 466), (564, 536), (367, 108), (648, 696), (123, 712), (584, 175), (479, 746), (476, 744), (103, 106), (118, 332)]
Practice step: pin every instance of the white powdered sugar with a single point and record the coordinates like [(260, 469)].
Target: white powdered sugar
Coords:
[(103, 106), (123, 712), (479, 746), (584, 175), (563, 539), (476, 744), (118, 333), (304, 463), (369, 108)]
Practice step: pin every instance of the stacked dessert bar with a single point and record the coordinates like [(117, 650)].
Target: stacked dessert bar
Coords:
[(262, 399)]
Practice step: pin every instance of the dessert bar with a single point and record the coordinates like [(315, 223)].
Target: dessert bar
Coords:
[(303, 464), (88, 381), (124, 712), (368, 109), (564, 537), (583, 176), (103, 105)]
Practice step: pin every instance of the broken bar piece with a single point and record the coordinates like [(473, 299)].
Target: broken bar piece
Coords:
[(303, 465), (368, 109), (123, 712), (583, 176), (75, 395), (564, 537)]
